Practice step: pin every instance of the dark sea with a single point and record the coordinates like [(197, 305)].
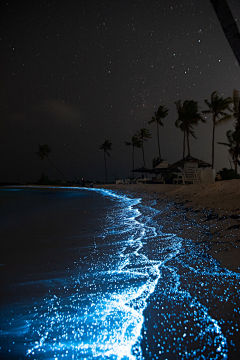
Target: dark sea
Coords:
[(90, 274)]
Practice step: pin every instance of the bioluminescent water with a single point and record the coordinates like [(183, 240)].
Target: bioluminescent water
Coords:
[(90, 274)]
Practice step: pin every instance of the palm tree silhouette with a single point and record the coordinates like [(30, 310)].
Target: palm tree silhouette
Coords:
[(106, 146), (43, 152), (136, 142), (143, 135), (161, 113), (234, 148), (236, 115), (217, 107), (229, 25), (188, 117)]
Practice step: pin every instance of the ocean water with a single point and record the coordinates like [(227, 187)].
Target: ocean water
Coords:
[(89, 274)]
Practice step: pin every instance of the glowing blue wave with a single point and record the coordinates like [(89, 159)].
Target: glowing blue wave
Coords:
[(111, 322), (119, 308)]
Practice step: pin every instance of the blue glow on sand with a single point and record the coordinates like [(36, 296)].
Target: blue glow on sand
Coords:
[(145, 294)]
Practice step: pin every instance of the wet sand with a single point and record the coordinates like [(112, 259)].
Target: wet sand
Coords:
[(202, 212)]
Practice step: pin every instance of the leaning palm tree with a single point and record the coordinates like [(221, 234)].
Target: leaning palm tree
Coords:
[(217, 107), (188, 117), (136, 142), (106, 146), (161, 113), (43, 152), (234, 148), (229, 25), (143, 135)]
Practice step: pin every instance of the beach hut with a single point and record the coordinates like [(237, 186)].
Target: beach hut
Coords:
[(205, 176), (141, 170), (163, 168), (191, 159)]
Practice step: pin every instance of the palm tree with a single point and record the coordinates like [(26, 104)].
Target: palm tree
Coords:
[(217, 107), (43, 152), (236, 115), (229, 25), (186, 129), (188, 117), (136, 142), (143, 135), (234, 148), (161, 113), (106, 146)]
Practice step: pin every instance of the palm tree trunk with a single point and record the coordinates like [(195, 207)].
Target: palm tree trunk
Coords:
[(159, 151), (105, 166), (133, 158), (213, 136), (144, 164), (184, 144), (236, 157), (188, 143), (56, 168)]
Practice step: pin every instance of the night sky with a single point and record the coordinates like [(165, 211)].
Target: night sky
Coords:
[(77, 73)]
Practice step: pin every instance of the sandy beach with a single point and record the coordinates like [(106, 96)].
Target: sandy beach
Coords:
[(203, 212)]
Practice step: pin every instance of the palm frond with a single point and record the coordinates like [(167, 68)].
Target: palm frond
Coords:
[(144, 134), (135, 142), (217, 104), (235, 97), (39, 155), (236, 135), (226, 144), (43, 151), (236, 104), (107, 145), (214, 95), (208, 104), (178, 123), (151, 121), (222, 113), (206, 111), (223, 120)]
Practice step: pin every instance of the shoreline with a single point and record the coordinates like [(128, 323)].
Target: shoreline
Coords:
[(205, 213)]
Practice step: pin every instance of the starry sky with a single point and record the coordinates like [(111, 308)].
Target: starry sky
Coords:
[(77, 73)]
